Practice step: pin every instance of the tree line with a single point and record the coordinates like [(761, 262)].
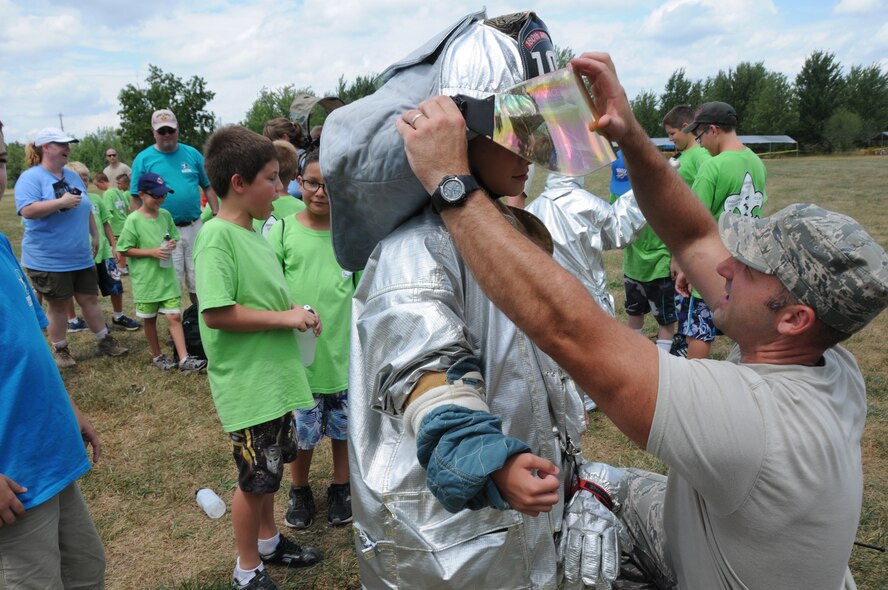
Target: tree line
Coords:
[(822, 108)]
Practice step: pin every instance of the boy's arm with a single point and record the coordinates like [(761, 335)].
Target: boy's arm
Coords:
[(238, 318)]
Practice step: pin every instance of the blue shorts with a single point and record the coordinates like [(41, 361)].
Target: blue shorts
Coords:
[(656, 297), (695, 320), (109, 278), (328, 416)]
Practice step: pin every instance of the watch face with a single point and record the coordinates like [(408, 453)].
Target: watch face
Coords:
[(452, 189)]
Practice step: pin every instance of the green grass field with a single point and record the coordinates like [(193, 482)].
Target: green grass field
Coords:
[(162, 440)]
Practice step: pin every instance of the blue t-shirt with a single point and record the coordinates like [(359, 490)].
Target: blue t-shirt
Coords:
[(183, 171), (58, 242), (619, 176), (39, 437)]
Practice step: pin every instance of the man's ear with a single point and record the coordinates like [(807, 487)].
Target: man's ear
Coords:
[(797, 319)]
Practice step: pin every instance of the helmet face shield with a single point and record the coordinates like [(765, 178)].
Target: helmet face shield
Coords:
[(548, 120)]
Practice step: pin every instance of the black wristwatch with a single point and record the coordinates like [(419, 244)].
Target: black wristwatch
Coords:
[(453, 191)]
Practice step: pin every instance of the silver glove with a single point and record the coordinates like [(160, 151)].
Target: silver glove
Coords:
[(593, 535)]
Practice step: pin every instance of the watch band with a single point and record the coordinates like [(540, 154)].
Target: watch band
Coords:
[(453, 191)]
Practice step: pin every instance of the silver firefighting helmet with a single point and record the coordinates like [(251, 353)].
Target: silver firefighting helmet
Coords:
[(372, 189)]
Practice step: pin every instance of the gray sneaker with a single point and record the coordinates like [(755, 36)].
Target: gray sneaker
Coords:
[(111, 347), (63, 357), (192, 364), (164, 363), (261, 581)]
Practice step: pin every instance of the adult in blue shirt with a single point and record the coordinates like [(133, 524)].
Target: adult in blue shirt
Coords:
[(182, 167), (47, 536), (56, 248)]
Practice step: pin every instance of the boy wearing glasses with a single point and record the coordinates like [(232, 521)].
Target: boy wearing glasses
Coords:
[(732, 181), (304, 246), (155, 287)]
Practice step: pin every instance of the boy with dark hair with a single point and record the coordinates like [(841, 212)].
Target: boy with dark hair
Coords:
[(285, 204), (691, 157), (247, 326), (304, 247), (155, 286)]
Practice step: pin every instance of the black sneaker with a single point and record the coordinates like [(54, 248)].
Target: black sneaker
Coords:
[(291, 554), (679, 346), (261, 581), (77, 325), (300, 509), (339, 504), (128, 324)]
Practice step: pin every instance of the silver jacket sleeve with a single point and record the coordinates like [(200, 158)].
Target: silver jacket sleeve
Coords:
[(583, 226)]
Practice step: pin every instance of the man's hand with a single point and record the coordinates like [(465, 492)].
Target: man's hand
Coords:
[(528, 483), (615, 119), (10, 506), (435, 140)]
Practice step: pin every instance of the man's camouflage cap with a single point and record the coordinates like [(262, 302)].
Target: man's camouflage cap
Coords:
[(826, 259)]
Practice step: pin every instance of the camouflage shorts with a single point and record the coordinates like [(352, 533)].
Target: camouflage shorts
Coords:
[(645, 566)]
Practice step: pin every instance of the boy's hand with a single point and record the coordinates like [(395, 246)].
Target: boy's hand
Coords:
[(172, 245), (299, 318), (159, 253), (10, 505), (526, 491), (682, 285)]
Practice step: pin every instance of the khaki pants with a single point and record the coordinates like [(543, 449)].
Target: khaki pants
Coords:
[(53, 546)]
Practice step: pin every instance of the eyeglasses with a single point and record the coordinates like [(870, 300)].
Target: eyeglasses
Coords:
[(699, 136), (314, 185), (166, 131), (163, 196), (111, 155)]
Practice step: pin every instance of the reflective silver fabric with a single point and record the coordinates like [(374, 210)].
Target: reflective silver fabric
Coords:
[(419, 309), (583, 226), (371, 187)]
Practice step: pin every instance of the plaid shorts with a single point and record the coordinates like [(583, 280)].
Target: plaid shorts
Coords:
[(329, 416), (260, 452)]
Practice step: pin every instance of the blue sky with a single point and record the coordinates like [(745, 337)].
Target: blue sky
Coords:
[(59, 58)]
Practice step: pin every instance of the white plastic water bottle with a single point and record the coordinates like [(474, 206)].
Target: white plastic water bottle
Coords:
[(307, 342), (165, 245), (210, 502)]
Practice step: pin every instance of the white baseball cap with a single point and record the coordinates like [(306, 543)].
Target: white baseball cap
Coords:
[(53, 135)]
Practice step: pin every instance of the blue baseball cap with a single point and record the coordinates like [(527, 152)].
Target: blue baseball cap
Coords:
[(619, 176), (153, 184)]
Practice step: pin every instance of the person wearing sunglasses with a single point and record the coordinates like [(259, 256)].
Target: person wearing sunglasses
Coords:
[(182, 166), (115, 167)]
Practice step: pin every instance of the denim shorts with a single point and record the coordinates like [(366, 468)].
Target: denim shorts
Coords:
[(328, 416)]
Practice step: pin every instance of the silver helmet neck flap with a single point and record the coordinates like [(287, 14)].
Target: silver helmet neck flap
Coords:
[(372, 189)]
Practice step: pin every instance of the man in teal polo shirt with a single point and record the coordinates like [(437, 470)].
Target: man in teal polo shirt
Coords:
[(182, 167)]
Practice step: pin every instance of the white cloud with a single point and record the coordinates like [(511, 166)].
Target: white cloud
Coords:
[(75, 60), (858, 6)]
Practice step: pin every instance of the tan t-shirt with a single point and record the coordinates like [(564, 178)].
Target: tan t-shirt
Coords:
[(765, 475), (121, 168)]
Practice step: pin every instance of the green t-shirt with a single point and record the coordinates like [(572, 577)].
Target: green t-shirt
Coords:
[(647, 258), (315, 278), (254, 376), (101, 214), (151, 282), (284, 206), (732, 181), (117, 203), (207, 213), (691, 160)]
